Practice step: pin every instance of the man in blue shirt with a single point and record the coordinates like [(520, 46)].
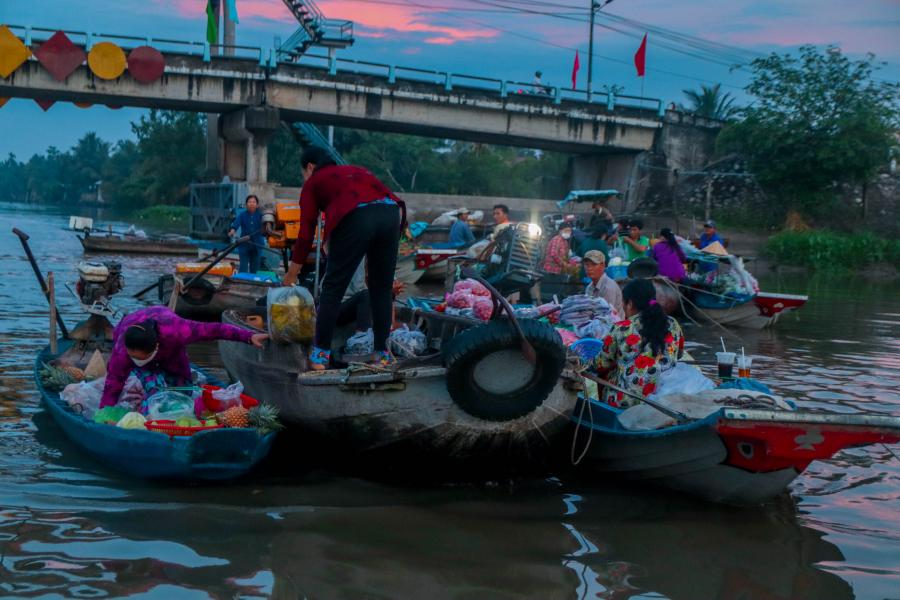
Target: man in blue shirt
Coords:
[(709, 235), (249, 221), (460, 232)]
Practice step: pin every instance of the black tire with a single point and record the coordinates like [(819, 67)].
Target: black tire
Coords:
[(495, 348), (200, 292)]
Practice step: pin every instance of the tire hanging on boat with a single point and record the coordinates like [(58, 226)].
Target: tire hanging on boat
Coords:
[(488, 376), (200, 292)]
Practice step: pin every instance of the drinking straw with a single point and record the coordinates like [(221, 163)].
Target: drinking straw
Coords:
[(721, 339)]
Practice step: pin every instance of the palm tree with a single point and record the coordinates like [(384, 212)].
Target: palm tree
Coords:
[(711, 102)]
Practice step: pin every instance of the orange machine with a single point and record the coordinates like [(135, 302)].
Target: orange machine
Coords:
[(282, 224)]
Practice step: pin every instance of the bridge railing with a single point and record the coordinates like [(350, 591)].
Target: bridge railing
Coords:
[(269, 59)]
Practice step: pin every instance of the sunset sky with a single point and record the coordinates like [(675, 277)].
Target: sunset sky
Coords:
[(495, 38)]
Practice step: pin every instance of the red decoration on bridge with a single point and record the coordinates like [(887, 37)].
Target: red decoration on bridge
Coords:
[(146, 64), (3, 102), (60, 56), (45, 104)]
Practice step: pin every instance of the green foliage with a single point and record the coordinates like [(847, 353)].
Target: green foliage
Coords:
[(284, 159), (826, 250), (169, 218), (711, 102), (819, 120)]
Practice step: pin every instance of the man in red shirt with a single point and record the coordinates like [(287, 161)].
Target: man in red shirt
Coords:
[(363, 219)]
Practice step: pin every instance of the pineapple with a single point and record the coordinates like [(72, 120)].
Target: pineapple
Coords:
[(236, 416), (74, 372), (264, 418)]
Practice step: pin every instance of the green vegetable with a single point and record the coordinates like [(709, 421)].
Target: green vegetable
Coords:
[(110, 414)]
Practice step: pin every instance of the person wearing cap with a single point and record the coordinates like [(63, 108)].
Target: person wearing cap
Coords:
[(634, 243), (558, 251), (460, 232), (601, 284), (709, 235)]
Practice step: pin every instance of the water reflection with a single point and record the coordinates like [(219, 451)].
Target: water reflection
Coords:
[(70, 528)]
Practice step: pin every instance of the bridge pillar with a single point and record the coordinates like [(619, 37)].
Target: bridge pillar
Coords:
[(604, 171), (245, 158)]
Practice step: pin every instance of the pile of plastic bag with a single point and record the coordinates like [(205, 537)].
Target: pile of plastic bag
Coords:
[(291, 314), (84, 397), (406, 343), (471, 299)]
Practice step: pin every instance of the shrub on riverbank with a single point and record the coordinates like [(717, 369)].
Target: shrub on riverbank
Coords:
[(174, 219), (828, 250)]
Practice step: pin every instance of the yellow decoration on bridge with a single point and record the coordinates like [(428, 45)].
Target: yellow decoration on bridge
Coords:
[(106, 60), (12, 52)]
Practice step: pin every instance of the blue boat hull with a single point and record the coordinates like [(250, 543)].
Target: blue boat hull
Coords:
[(213, 455)]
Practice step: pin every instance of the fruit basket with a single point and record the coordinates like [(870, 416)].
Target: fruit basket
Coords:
[(215, 406), (172, 429)]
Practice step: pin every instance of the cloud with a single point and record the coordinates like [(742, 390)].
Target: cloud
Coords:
[(370, 19)]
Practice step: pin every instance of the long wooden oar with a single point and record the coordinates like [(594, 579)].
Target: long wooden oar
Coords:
[(225, 251), (23, 237)]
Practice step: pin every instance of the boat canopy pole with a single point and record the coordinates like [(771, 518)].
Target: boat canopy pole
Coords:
[(23, 237)]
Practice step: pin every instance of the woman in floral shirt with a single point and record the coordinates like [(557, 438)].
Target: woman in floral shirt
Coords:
[(639, 348)]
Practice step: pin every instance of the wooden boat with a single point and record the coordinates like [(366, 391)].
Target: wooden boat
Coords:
[(433, 262), (407, 412), (212, 455), (211, 295), (753, 312), (129, 244), (407, 270), (737, 456)]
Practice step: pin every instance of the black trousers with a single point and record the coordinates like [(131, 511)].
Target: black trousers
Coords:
[(356, 309), (371, 232)]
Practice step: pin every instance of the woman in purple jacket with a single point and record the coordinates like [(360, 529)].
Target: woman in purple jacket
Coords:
[(669, 256), (153, 343)]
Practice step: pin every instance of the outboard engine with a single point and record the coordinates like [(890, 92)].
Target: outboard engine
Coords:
[(97, 282)]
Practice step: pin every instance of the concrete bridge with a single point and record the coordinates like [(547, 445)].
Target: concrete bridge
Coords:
[(254, 92)]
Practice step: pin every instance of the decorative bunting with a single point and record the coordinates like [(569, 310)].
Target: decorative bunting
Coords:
[(12, 52), (60, 56), (106, 60), (3, 101), (83, 104), (146, 64), (45, 104)]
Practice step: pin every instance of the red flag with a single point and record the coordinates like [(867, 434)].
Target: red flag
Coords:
[(575, 66), (640, 57)]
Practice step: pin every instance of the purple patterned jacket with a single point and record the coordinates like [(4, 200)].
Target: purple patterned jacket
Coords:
[(175, 334)]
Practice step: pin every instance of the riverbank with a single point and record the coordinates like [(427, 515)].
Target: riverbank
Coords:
[(163, 217)]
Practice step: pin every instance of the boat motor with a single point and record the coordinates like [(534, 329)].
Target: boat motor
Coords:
[(97, 282)]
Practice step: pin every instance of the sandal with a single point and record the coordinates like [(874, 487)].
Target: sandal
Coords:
[(319, 359), (384, 359)]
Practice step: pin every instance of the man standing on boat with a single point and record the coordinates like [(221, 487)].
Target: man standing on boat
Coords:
[(363, 220), (249, 221), (709, 235)]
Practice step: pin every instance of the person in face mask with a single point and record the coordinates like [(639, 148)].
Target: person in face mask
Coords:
[(151, 343), (558, 250)]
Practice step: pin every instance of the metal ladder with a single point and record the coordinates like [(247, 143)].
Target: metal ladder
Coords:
[(314, 29), (308, 134)]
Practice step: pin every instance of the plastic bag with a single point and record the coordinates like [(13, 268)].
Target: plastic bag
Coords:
[(169, 405), (405, 342), (595, 328), (132, 420), (133, 393), (291, 314), (230, 396), (461, 299), (682, 379), (361, 342), (84, 397), (483, 308), (110, 415), (471, 286)]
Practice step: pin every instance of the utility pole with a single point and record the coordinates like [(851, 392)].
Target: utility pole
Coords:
[(590, 90)]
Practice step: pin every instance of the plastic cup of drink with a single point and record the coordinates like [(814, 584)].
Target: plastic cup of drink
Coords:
[(743, 365), (725, 361)]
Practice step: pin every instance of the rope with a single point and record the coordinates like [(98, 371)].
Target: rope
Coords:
[(587, 445), (761, 401), (682, 299)]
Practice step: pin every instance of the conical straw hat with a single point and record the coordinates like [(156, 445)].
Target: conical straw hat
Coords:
[(716, 248)]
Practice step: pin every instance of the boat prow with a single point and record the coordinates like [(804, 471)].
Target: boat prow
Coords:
[(733, 456)]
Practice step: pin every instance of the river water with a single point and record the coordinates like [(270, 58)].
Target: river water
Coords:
[(69, 528)]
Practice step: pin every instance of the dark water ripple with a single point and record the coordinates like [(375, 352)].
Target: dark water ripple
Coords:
[(68, 528)]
